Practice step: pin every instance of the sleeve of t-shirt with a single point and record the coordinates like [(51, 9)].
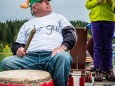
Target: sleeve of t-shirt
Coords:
[(64, 22), (21, 38)]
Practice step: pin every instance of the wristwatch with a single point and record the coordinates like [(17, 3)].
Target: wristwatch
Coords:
[(64, 47)]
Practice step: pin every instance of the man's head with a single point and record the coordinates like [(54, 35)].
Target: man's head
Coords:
[(40, 7)]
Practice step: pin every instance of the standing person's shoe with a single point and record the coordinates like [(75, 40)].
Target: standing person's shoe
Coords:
[(104, 74), (98, 75), (110, 75), (92, 69)]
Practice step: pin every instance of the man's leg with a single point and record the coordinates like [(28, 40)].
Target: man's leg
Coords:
[(15, 62), (61, 64)]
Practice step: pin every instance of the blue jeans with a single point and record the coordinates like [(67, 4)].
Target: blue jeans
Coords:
[(103, 35), (58, 66)]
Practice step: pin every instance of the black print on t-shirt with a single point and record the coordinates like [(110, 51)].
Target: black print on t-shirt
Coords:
[(49, 29)]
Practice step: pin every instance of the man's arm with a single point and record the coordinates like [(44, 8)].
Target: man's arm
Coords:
[(69, 40), (69, 37)]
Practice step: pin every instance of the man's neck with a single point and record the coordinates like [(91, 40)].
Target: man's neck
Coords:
[(42, 14)]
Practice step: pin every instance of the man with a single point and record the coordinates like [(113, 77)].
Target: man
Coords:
[(48, 48)]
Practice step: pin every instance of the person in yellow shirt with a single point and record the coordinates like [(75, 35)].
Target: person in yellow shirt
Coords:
[(102, 21)]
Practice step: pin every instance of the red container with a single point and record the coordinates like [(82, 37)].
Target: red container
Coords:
[(82, 81)]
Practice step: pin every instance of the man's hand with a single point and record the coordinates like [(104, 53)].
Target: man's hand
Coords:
[(57, 50), (20, 52)]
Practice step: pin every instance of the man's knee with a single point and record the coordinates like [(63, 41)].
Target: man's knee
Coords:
[(64, 56), (5, 63)]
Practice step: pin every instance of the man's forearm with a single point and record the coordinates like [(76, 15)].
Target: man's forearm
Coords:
[(15, 47), (69, 37)]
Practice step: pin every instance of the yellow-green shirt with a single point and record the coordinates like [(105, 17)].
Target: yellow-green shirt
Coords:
[(100, 12)]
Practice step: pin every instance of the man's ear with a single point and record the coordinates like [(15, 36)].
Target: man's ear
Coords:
[(34, 8)]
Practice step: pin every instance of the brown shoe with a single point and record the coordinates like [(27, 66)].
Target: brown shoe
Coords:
[(98, 75), (110, 75)]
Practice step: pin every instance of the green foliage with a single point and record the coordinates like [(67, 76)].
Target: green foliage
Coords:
[(79, 23), (88, 36), (6, 49), (1, 47), (9, 31), (89, 31)]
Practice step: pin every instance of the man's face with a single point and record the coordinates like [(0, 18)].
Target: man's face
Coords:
[(43, 6)]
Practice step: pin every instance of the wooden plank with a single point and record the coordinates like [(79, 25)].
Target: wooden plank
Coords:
[(79, 51), (104, 82)]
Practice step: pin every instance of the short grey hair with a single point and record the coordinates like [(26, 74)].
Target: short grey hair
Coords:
[(32, 13)]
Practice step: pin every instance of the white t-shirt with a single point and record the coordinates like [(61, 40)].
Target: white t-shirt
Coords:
[(48, 32)]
